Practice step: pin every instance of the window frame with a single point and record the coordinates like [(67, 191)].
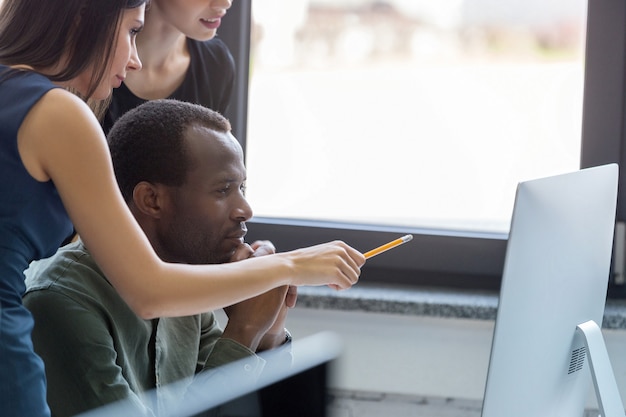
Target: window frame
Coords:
[(447, 258)]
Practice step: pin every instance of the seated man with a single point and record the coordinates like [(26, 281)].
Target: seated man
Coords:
[(182, 174)]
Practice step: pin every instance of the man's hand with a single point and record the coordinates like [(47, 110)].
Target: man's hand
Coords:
[(275, 336), (259, 322), (249, 320), (258, 248)]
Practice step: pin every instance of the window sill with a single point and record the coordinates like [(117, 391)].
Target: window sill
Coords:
[(435, 302)]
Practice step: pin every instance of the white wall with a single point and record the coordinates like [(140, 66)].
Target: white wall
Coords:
[(424, 356)]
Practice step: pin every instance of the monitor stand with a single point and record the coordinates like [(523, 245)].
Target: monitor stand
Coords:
[(608, 396)]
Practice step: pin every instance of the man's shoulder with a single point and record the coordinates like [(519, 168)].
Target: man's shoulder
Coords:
[(68, 267)]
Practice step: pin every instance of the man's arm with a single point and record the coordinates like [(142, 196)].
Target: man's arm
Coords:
[(278, 334), (210, 332), (249, 321), (259, 321), (80, 357), (215, 350)]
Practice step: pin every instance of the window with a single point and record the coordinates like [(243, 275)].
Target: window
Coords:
[(411, 113), (367, 119)]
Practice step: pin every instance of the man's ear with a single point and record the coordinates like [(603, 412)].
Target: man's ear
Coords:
[(148, 199)]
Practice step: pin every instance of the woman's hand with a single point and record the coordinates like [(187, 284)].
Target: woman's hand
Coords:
[(334, 264)]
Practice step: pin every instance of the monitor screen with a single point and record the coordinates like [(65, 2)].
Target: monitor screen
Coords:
[(292, 382), (555, 277)]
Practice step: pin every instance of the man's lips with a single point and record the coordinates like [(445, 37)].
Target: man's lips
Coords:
[(238, 235)]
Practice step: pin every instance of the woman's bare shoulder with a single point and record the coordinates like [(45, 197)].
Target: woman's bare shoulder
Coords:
[(60, 114), (60, 104), (57, 124)]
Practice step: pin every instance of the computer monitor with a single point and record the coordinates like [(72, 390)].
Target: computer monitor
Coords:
[(295, 385), (554, 286)]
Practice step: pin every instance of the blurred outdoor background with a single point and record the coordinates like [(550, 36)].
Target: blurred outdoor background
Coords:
[(411, 112)]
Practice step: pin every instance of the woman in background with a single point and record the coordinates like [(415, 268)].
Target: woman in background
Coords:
[(182, 58), (55, 173)]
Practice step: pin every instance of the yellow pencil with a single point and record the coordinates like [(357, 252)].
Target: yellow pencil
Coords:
[(388, 246)]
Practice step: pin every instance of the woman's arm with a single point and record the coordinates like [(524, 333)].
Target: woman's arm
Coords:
[(60, 139)]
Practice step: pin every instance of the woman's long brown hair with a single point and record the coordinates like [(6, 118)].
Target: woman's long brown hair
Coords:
[(39, 33)]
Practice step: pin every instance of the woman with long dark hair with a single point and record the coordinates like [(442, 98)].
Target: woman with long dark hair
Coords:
[(56, 173)]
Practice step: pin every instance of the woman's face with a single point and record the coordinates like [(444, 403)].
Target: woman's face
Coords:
[(125, 57), (196, 19)]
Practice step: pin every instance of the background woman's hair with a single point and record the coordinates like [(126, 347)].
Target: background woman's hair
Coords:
[(38, 33)]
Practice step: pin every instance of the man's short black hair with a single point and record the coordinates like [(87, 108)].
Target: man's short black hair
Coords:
[(147, 142)]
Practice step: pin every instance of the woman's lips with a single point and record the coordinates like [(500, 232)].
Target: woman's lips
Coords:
[(119, 81), (211, 23)]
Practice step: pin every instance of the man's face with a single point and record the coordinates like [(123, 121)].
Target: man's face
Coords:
[(204, 219)]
